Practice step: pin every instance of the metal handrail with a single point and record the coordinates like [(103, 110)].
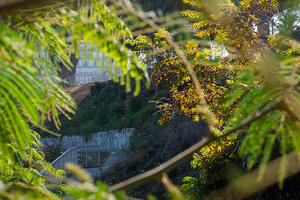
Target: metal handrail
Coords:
[(63, 154), (68, 157)]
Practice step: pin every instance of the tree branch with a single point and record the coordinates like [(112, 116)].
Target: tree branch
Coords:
[(4, 3), (21, 5), (248, 184), (156, 173)]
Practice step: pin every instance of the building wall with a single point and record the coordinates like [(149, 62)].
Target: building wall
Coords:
[(88, 71)]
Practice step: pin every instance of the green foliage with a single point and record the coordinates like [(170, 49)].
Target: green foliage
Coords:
[(33, 41), (262, 134), (29, 59), (265, 75), (110, 107)]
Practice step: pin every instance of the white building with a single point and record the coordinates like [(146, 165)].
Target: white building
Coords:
[(88, 71)]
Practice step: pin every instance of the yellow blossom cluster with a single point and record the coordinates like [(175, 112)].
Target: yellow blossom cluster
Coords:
[(234, 26), (213, 158), (214, 79)]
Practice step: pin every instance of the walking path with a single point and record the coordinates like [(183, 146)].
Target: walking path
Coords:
[(114, 158)]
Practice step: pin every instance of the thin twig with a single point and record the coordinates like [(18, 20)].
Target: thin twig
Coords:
[(211, 119), (171, 188)]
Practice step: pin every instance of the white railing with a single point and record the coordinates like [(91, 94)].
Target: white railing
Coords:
[(85, 156), (69, 156)]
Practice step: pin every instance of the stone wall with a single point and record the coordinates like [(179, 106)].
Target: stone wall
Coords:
[(114, 139)]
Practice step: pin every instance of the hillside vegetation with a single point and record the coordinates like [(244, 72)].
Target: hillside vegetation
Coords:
[(109, 107)]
